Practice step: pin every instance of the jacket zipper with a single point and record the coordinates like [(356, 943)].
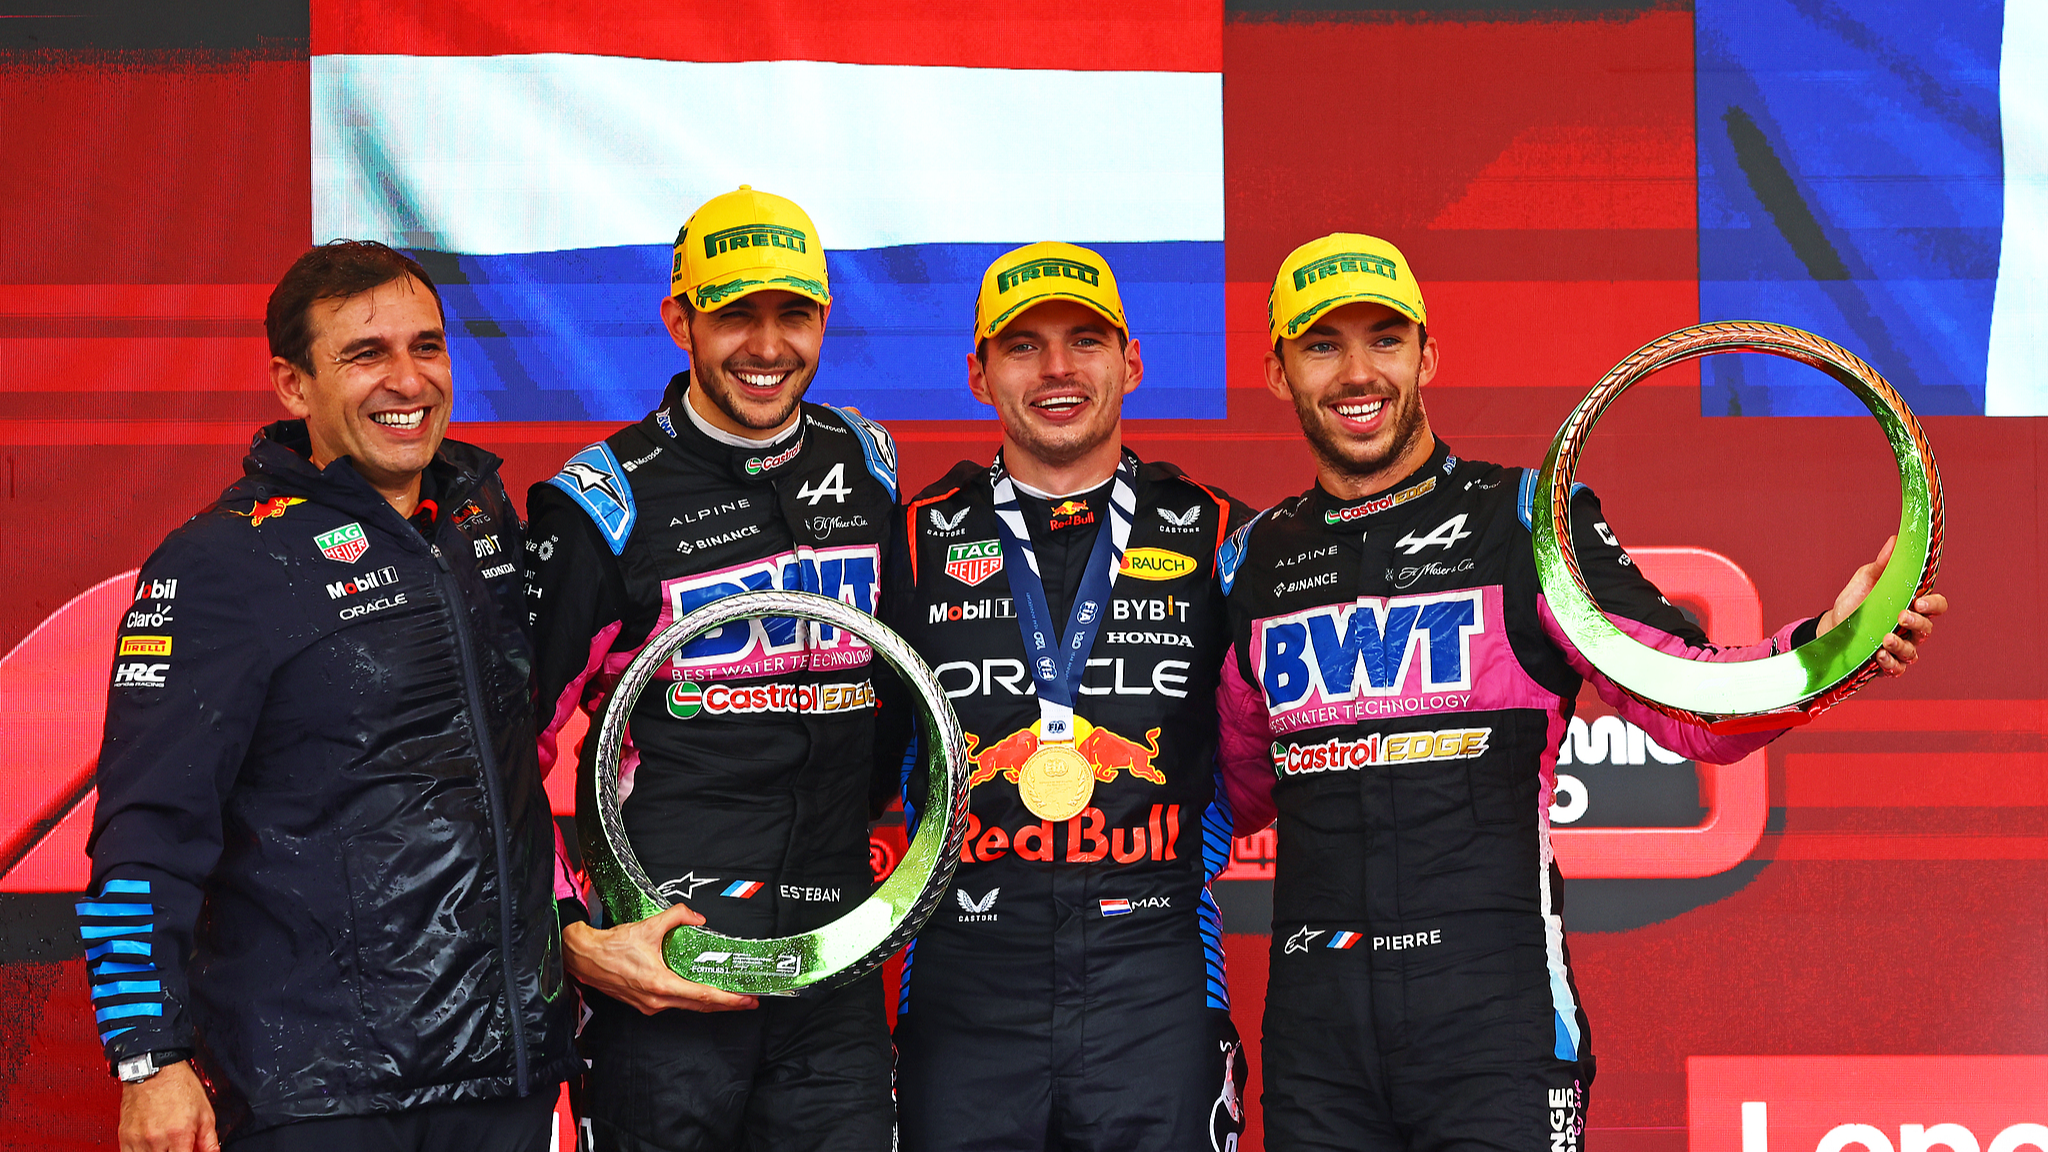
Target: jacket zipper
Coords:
[(452, 596)]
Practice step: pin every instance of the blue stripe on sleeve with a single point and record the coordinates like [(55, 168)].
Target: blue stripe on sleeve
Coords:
[(123, 1011), (106, 1036), (124, 987), (125, 947), (114, 968), (125, 887), (92, 908), (102, 931)]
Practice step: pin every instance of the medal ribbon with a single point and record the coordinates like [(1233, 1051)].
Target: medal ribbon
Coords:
[(1058, 660)]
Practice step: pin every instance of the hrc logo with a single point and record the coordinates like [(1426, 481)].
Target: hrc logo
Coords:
[(1371, 647)]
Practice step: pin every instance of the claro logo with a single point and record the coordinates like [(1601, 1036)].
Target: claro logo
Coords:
[(1867, 1103)]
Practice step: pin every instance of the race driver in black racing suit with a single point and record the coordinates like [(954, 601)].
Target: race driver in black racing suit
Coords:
[(1397, 688), (1070, 993), (745, 791)]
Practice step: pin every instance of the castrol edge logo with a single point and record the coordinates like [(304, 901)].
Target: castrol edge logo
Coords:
[(1867, 1103), (1379, 748)]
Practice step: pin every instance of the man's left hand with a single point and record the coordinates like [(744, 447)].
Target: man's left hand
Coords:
[(1916, 623)]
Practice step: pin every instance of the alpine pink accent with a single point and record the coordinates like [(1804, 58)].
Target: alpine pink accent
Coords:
[(1691, 741), (1243, 745), (572, 695)]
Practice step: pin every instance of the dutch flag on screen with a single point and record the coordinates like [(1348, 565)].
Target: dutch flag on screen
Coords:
[(1877, 173), (542, 161)]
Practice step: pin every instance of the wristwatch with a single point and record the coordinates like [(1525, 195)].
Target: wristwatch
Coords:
[(136, 1069)]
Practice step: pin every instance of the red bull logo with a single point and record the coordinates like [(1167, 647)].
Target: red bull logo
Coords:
[(1105, 750), (1085, 839), (1070, 513), (265, 509)]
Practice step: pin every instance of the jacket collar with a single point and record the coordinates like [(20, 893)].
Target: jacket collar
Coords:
[(1433, 474), (753, 464), (281, 454)]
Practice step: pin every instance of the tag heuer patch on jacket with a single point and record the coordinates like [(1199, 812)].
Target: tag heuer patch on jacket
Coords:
[(974, 562), (346, 543)]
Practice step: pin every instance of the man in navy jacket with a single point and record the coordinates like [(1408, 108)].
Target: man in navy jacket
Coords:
[(321, 913)]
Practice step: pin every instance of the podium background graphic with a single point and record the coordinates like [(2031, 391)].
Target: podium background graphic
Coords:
[(1571, 179)]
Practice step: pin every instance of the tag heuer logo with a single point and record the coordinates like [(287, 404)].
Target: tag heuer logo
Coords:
[(974, 562), (345, 543)]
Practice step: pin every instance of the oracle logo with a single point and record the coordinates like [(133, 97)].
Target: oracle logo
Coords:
[(1867, 1103)]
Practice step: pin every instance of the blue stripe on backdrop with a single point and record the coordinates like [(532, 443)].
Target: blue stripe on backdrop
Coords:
[(1850, 183), (576, 335)]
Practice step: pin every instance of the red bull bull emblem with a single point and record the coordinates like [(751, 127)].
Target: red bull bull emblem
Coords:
[(1071, 513), (265, 509), (1106, 752)]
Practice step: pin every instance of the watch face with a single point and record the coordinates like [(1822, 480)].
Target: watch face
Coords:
[(136, 1069)]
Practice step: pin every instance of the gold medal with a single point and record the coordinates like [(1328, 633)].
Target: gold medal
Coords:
[(1056, 782)]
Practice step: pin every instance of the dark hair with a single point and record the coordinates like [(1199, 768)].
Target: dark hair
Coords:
[(335, 270)]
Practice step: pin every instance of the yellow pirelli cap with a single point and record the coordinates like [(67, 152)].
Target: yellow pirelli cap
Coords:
[(1048, 270), (1341, 268), (745, 242)]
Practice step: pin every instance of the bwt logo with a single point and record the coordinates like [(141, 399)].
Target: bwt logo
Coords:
[(849, 575), (1368, 648), (1868, 1103)]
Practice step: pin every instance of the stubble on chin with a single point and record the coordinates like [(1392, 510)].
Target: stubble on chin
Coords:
[(721, 397), (1335, 452)]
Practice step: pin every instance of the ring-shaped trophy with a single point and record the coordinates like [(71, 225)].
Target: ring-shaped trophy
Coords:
[(867, 935), (1779, 691)]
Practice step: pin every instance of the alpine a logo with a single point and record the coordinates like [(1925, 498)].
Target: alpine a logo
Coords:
[(1372, 647)]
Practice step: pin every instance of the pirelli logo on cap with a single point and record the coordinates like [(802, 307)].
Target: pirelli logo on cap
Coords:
[(1340, 262), (1048, 268), (755, 236)]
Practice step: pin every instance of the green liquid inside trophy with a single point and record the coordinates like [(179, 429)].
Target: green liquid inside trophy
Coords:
[(857, 942), (1784, 690)]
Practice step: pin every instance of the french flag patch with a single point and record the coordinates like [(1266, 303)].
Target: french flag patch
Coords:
[(741, 889), (1116, 907), (1343, 940)]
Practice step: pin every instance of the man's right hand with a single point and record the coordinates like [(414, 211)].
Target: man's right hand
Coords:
[(625, 964), (168, 1112)]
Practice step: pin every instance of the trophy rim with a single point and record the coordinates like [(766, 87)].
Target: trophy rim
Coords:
[(1778, 691), (889, 920)]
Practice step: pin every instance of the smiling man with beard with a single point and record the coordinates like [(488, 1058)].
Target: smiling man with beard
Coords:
[(1070, 995), (748, 808), (1396, 688)]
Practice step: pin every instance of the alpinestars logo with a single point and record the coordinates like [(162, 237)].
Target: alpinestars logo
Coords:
[(974, 911), (946, 525), (1301, 939), (685, 887)]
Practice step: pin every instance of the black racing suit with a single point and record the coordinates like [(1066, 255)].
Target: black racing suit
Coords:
[(1397, 688), (321, 849), (1070, 994), (746, 786)]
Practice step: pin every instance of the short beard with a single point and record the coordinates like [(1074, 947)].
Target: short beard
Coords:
[(722, 401), (1338, 456)]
